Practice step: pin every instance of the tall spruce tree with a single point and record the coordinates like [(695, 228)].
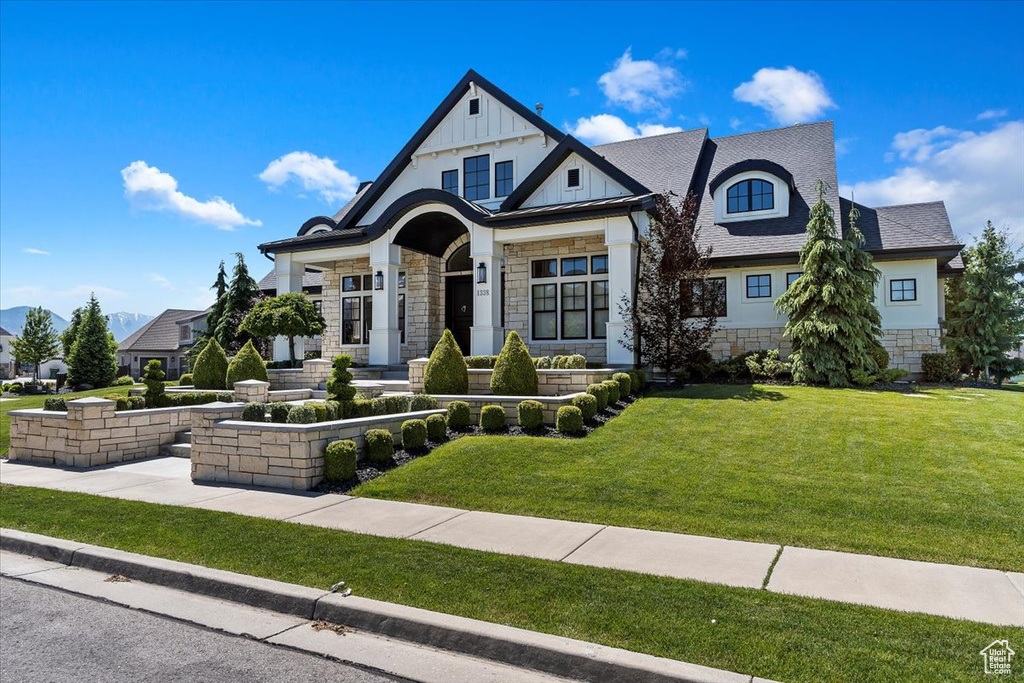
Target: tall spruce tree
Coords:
[(38, 340), (68, 336), (832, 320), (241, 295), (220, 288), (93, 360), (988, 321)]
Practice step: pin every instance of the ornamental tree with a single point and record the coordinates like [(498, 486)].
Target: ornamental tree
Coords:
[(289, 315), (93, 357), (38, 340), (68, 336)]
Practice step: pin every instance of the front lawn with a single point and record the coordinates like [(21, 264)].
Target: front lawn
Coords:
[(23, 402), (937, 476), (782, 637)]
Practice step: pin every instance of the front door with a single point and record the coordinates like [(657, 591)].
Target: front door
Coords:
[(459, 308)]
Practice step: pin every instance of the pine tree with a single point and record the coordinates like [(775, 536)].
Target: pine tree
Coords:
[(241, 295), (38, 340), (92, 359), (989, 319), (832, 320), (68, 336), (220, 287)]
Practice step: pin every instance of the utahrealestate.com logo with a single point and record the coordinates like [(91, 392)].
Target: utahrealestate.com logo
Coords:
[(998, 657)]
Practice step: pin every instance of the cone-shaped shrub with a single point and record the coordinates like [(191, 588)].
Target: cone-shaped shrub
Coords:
[(587, 403), (211, 367), (458, 415), (437, 428), (569, 420), (514, 373), (246, 364), (340, 461), (446, 371), (530, 414)]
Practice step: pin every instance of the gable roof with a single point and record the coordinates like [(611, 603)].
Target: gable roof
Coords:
[(311, 279), (663, 163), (890, 231), (159, 334)]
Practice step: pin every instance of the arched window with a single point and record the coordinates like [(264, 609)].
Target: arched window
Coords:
[(750, 195), (459, 260)]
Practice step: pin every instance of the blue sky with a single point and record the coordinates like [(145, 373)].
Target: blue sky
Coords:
[(122, 124)]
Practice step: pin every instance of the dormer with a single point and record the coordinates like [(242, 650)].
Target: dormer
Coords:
[(751, 190)]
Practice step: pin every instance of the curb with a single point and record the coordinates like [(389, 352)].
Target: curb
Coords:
[(573, 659)]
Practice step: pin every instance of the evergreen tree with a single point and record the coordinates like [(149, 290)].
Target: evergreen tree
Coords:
[(241, 295), (38, 340), (988, 321), (220, 287), (831, 316), (92, 359), (68, 336)]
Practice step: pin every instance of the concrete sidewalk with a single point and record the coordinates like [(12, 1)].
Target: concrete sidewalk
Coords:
[(983, 595)]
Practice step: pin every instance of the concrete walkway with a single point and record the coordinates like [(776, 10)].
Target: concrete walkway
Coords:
[(984, 595)]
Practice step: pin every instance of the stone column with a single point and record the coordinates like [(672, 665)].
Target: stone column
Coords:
[(622, 251), (251, 391), (86, 425), (486, 334), (385, 338), (289, 279), (209, 459)]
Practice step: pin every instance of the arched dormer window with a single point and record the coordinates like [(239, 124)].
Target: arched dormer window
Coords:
[(750, 195), (751, 190)]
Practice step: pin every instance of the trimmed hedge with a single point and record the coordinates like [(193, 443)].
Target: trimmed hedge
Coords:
[(587, 403), (625, 383), (492, 418), (380, 446), (333, 410), (422, 402), (414, 434), (542, 363), (279, 412), (211, 368), (530, 414), (340, 459), (481, 362), (458, 415), (254, 412), (446, 371), (134, 403), (246, 364), (58, 404), (437, 428), (360, 407), (320, 408), (574, 362), (613, 391), (941, 368), (600, 392), (389, 405), (514, 373), (569, 420), (302, 415)]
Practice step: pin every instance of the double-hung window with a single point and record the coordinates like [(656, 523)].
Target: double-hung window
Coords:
[(476, 176), (545, 311), (599, 308), (709, 298), (574, 310)]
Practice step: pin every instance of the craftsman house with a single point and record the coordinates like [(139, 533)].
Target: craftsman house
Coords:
[(491, 219)]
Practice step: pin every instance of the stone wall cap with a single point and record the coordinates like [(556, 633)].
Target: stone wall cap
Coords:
[(92, 401), (334, 424), (485, 398), (252, 383), (37, 412), (317, 361), (216, 406)]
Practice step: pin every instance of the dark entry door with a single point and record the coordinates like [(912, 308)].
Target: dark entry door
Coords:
[(459, 308)]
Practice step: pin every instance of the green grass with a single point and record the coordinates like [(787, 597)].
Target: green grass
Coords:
[(24, 402), (757, 632), (938, 479)]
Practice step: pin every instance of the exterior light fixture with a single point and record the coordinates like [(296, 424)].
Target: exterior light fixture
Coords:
[(481, 273), (378, 280)]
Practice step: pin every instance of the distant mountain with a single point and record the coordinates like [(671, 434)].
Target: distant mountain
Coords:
[(13, 319), (121, 324)]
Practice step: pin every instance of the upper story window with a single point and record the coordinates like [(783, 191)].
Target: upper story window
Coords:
[(545, 267), (750, 195), (503, 179), (903, 290), (474, 106), (573, 178), (184, 333), (450, 181), (476, 175)]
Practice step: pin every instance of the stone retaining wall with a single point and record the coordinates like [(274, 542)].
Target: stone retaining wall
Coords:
[(310, 376), (549, 382), (510, 404)]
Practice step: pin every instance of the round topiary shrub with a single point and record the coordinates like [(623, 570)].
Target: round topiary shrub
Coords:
[(446, 371), (184, 381), (530, 414), (625, 384), (437, 428), (414, 434), (458, 415), (380, 446), (339, 385), (279, 412), (587, 403), (422, 402), (127, 381), (211, 368), (246, 364), (542, 363), (136, 403), (599, 392), (514, 373), (613, 391), (254, 412), (340, 460), (301, 415), (492, 418), (569, 420)]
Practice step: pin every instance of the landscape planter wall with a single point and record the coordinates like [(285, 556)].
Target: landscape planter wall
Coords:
[(549, 382), (291, 456), (510, 404)]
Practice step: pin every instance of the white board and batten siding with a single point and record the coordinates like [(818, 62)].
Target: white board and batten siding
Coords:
[(594, 184)]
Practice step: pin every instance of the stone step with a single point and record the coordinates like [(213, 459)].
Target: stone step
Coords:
[(395, 375), (183, 437), (393, 385), (177, 450)]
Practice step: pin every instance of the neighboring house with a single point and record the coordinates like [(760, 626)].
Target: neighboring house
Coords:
[(166, 338), (491, 219), (6, 356), (312, 287)]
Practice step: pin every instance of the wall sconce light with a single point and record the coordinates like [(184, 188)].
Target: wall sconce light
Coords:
[(378, 280), (481, 273)]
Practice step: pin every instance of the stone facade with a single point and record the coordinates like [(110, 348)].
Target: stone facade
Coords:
[(549, 382), (311, 375), (906, 347), (729, 342)]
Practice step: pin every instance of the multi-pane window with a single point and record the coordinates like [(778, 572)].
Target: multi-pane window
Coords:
[(450, 181), (545, 311), (574, 310), (791, 278), (503, 179), (903, 290), (750, 195), (357, 283), (184, 333), (599, 308), (574, 266), (351, 320), (709, 298), (759, 286), (476, 174), (599, 264), (545, 267)]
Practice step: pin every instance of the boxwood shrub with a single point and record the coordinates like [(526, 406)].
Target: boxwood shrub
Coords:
[(569, 420), (437, 428), (587, 403), (135, 403), (458, 415), (414, 434), (542, 363), (599, 392), (339, 385), (279, 412), (530, 414), (183, 381), (492, 418), (254, 412), (625, 384), (333, 410), (939, 367), (514, 373), (340, 460), (320, 408), (380, 446), (302, 415), (58, 404), (613, 391), (127, 381), (422, 402), (481, 362), (446, 371), (360, 407)]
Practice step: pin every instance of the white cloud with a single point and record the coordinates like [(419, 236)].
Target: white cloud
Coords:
[(573, 92), (843, 145), (789, 95), (921, 144), (160, 280), (36, 252), (315, 174), (978, 175), (602, 128), (993, 114), (667, 53), (150, 188), (735, 123), (640, 85)]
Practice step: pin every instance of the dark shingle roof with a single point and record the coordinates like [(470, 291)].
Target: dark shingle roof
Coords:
[(907, 227), (663, 163), (310, 279), (159, 334)]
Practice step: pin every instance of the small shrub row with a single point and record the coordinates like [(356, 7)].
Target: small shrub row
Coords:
[(887, 376), (13, 387), (767, 365), (340, 459), (458, 415)]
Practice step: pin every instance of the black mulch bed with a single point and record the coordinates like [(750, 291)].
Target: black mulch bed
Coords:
[(366, 471)]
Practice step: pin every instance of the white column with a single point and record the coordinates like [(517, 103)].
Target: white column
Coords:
[(289, 279), (486, 334), (622, 250), (385, 339)]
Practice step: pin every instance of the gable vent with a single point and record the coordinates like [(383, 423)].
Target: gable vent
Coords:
[(573, 178), (474, 106)]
